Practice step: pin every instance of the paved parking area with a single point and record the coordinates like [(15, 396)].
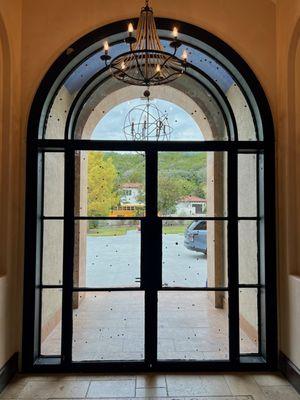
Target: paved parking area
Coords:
[(114, 261)]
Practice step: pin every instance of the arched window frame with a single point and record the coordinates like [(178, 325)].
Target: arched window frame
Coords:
[(260, 111)]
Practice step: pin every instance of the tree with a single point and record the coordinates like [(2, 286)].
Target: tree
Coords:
[(170, 191), (102, 193)]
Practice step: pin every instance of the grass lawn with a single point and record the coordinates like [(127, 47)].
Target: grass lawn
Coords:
[(167, 230), (122, 230), (111, 230)]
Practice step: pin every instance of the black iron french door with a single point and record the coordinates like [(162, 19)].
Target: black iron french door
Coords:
[(158, 293)]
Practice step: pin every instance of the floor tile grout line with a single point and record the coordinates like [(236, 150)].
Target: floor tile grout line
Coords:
[(259, 388), (167, 389), (276, 386), (226, 382), (88, 388)]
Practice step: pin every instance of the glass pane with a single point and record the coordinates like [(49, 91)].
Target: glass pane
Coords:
[(57, 117), (211, 125), (227, 83), (53, 244), (107, 253), (192, 326), (54, 184), (242, 113), (247, 185), (248, 321), (51, 322), (194, 253), (156, 120), (192, 184), (108, 326), (110, 183), (248, 252)]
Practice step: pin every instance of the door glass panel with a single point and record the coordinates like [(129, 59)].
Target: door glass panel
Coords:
[(54, 184), (248, 252), (192, 326), (248, 320), (192, 184), (107, 253), (51, 322), (110, 184), (53, 242), (247, 185), (108, 326), (194, 253)]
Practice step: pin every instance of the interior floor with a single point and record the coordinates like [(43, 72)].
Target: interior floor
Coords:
[(205, 386)]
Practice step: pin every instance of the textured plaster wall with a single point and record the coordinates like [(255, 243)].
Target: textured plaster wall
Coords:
[(288, 175), (48, 28), (11, 188)]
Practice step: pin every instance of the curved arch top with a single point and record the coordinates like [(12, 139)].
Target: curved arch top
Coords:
[(212, 64)]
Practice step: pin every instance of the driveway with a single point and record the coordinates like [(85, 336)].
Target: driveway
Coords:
[(114, 261)]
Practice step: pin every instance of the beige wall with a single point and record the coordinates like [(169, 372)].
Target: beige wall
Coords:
[(50, 27), (11, 159), (288, 175)]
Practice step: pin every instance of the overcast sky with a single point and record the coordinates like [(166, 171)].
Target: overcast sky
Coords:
[(111, 125)]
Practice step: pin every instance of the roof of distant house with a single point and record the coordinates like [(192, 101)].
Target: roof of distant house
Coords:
[(188, 199), (132, 185)]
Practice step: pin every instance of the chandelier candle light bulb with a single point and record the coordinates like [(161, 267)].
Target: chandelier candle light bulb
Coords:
[(130, 28), (175, 32), (106, 47), (184, 55)]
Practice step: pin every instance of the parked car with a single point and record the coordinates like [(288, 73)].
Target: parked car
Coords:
[(195, 237)]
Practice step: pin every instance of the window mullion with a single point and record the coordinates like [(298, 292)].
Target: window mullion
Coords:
[(68, 257), (233, 278)]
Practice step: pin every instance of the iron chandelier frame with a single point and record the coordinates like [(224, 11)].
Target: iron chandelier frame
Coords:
[(146, 63)]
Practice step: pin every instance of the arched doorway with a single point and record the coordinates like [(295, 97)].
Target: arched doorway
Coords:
[(163, 315)]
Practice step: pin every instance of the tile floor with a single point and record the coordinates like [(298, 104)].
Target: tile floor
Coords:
[(110, 326), (235, 386)]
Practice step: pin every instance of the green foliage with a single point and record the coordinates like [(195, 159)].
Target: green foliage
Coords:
[(102, 194), (130, 167), (169, 192), (180, 174)]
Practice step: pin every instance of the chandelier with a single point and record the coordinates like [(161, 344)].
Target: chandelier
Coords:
[(146, 63), (147, 122)]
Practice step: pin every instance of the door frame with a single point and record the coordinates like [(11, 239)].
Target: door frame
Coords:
[(36, 124)]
